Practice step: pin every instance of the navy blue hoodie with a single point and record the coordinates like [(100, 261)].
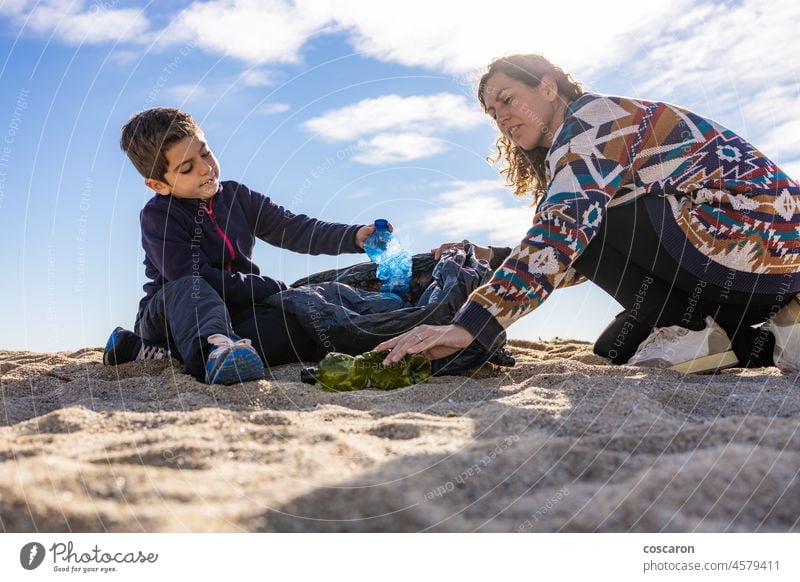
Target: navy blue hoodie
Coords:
[(214, 239)]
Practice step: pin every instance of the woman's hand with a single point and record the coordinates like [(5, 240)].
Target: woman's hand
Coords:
[(363, 234), (481, 253), (433, 341)]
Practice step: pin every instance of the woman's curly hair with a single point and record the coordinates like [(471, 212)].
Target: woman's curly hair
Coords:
[(525, 169)]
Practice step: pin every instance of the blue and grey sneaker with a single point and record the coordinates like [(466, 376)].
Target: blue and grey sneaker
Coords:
[(231, 362), (124, 346)]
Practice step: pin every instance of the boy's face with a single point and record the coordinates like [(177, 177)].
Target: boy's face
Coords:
[(192, 170)]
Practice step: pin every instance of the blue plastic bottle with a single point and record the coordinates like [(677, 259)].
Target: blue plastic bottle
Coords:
[(376, 243), (394, 262)]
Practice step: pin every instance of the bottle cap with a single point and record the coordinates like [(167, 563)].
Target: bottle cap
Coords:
[(381, 223), (308, 375)]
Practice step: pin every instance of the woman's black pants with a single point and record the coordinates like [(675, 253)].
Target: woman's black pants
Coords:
[(626, 260)]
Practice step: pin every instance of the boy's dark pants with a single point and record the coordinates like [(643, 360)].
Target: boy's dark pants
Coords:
[(626, 259), (276, 335), (184, 312)]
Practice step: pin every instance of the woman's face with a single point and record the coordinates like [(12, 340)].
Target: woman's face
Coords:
[(528, 116)]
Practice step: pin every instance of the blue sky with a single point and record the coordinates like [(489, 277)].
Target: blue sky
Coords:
[(342, 109)]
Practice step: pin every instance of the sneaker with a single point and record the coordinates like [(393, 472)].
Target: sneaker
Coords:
[(785, 326), (683, 350), (231, 362), (124, 346)]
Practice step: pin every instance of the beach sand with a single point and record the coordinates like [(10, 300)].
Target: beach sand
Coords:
[(561, 442)]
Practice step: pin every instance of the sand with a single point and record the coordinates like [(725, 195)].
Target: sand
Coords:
[(561, 442)]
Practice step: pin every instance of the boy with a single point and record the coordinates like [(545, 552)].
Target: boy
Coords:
[(204, 295)]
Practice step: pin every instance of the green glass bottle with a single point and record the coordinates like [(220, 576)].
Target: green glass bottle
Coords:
[(338, 373), (412, 369), (342, 373)]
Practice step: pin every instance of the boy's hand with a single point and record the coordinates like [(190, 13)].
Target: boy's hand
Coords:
[(363, 234), (481, 253)]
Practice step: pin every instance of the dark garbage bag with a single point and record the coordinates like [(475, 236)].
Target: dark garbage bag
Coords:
[(344, 311), (363, 276)]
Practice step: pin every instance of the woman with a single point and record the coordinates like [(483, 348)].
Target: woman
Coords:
[(688, 226)]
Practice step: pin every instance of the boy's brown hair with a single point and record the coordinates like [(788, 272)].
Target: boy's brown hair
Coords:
[(149, 134)]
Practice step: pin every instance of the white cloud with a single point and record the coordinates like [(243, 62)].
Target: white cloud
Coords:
[(748, 46), (392, 148), (402, 128), (792, 168), (419, 114), (737, 60), (254, 31), (183, 93), (781, 142), (457, 36), (485, 211), (712, 55), (124, 57), (665, 44), (273, 108), (772, 106), (13, 7), (94, 25), (446, 35), (255, 78)]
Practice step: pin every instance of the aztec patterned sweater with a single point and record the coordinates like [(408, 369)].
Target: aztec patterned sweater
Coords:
[(737, 209)]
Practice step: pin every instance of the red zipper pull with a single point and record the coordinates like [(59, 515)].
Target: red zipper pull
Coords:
[(210, 211)]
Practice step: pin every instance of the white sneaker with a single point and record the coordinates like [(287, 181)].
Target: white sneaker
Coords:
[(785, 326), (683, 350)]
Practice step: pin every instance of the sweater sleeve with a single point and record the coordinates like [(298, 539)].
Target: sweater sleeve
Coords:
[(565, 223), (500, 254), (170, 250), (300, 233)]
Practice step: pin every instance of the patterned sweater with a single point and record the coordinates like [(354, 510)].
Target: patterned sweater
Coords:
[(739, 211)]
